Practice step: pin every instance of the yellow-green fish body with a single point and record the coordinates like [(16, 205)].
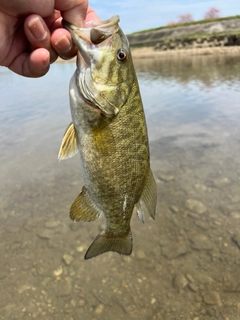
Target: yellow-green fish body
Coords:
[(109, 131)]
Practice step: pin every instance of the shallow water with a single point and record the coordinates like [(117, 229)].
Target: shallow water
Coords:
[(186, 264)]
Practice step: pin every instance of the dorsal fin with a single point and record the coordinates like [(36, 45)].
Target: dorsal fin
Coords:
[(69, 145)]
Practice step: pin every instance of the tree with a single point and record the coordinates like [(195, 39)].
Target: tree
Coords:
[(212, 13), (171, 23), (187, 17)]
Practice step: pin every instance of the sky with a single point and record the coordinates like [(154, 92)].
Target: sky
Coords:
[(138, 15)]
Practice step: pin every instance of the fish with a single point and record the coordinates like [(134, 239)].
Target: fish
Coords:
[(109, 131)]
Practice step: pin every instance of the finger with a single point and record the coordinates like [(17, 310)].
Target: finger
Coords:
[(39, 35), (18, 8), (35, 64), (91, 15), (61, 39), (73, 11), (62, 43)]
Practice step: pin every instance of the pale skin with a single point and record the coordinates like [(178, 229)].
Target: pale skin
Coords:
[(32, 36)]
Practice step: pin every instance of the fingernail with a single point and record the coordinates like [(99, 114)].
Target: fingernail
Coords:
[(37, 28), (46, 64), (63, 44)]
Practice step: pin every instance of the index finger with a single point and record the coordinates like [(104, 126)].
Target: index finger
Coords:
[(91, 15), (73, 11)]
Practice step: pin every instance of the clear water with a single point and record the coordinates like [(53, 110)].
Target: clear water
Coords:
[(186, 264)]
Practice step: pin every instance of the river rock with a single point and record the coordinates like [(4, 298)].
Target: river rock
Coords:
[(212, 298), (45, 234), (99, 309), (235, 214), (64, 287), (140, 254), (165, 177), (179, 282), (200, 187), (200, 242), (195, 206), (193, 287), (52, 224), (221, 182), (81, 303), (174, 250), (67, 259), (174, 209), (58, 271), (236, 240), (202, 225), (74, 226)]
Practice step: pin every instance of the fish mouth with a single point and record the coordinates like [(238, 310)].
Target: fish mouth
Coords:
[(93, 36), (88, 40), (95, 32)]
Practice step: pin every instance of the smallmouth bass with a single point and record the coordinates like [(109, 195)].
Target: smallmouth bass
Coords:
[(109, 131)]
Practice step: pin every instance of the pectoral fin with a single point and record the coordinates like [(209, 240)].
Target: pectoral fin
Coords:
[(83, 208), (69, 145), (148, 198)]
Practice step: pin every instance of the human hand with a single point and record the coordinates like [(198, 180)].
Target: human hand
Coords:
[(30, 42)]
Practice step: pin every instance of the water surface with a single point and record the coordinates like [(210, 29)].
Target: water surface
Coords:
[(186, 264)]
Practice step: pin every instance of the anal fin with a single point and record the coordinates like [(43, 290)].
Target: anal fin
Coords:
[(83, 208), (104, 243), (69, 145), (148, 198)]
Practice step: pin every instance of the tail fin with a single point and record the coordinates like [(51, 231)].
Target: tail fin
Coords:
[(104, 243)]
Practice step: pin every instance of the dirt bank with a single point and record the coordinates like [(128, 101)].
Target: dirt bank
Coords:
[(151, 37), (149, 52)]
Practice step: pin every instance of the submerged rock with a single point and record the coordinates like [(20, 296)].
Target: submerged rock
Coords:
[(165, 177), (64, 287), (174, 209), (200, 242), (99, 309), (174, 250), (52, 224), (58, 271), (195, 206), (67, 259), (235, 214), (221, 182), (236, 240), (179, 282), (45, 233), (212, 298)]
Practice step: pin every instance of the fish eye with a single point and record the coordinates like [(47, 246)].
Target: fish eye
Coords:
[(121, 55)]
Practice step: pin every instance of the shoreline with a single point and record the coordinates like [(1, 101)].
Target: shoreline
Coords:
[(149, 52)]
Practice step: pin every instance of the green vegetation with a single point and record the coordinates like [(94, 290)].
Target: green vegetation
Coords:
[(166, 40), (187, 24), (202, 35)]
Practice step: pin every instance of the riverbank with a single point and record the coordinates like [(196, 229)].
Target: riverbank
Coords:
[(188, 32), (150, 52)]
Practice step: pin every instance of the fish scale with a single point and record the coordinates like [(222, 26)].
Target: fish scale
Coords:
[(109, 130)]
